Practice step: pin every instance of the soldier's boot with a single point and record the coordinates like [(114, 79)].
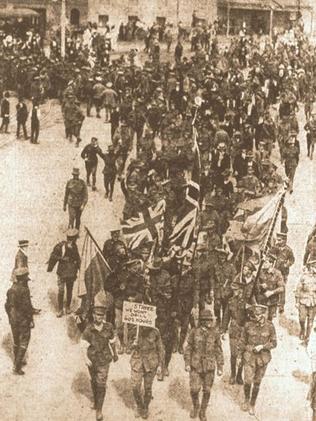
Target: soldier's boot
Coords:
[(100, 395), (19, 361), (195, 405), (205, 400), (233, 363), (139, 403), (166, 372), (94, 395), (302, 332), (147, 399), (245, 405), (239, 379), (60, 299), (254, 395)]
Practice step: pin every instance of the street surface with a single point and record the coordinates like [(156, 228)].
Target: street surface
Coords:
[(56, 384)]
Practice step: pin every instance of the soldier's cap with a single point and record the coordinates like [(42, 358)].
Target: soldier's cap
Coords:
[(293, 133), (265, 162), (132, 185), (98, 78), (222, 252), (201, 247), (237, 133), (291, 140), (23, 243), (257, 308), (110, 148), (206, 315), (250, 265), (210, 225), (186, 263), (236, 284), (210, 203), (21, 272), (155, 264), (72, 233), (109, 85), (282, 235), (100, 303), (226, 172), (75, 171)]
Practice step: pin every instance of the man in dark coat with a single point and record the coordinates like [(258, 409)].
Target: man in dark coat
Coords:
[(20, 312), (5, 113), (90, 155), (67, 256), (21, 118)]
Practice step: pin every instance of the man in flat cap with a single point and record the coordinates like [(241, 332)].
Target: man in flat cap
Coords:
[(20, 312), (258, 339), (202, 355), (76, 197), (98, 344), (67, 256)]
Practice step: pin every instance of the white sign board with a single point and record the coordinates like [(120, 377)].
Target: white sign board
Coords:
[(139, 314)]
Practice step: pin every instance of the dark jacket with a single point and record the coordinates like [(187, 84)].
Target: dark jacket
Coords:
[(68, 260), (18, 305)]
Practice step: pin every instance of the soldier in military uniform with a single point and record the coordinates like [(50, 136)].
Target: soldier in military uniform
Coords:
[(305, 296), (186, 292), (291, 155), (67, 256), (20, 312), (224, 275), (285, 259), (111, 248), (147, 360), (202, 355), (162, 297), (109, 171), (76, 197), (258, 338), (250, 183), (269, 286), (203, 269), (90, 155), (234, 321), (98, 344)]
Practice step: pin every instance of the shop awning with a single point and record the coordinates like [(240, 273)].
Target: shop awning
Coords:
[(9, 12), (280, 5)]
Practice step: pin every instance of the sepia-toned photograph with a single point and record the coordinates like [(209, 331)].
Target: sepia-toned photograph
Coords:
[(158, 210)]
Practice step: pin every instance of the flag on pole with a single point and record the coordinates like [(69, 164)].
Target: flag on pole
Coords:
[(148, 226), (93, 273), (183, 232)]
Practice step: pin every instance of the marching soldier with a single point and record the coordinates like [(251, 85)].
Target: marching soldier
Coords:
[(305, 296), (202, 355), (270, 286), (223, 277), (258, 338), (76, 197), (234, 320), (109, 171), (67, 256), (291, 155), (20, 312), (111, 248), (90, 155), (285, 259), (161, 294), (147, 360), (98, 344)]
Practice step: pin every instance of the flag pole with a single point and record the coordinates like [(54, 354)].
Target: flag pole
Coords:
[(98, 248)]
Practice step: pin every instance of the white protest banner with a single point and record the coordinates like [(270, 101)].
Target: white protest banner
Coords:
[(139, 314)]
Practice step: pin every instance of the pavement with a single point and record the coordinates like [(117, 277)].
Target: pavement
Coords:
[(56, 385)]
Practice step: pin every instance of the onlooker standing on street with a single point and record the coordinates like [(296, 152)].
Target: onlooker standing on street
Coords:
[(67, 255), (20, 312), (35, 121), (5, 113), (90, 155), (110, 97), (76, 197), (21, 118)]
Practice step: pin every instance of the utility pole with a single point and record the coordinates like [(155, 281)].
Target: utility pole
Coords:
[(63, 29)]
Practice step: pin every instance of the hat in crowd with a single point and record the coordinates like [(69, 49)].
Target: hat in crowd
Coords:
[(257, 309), (109, 85), (282, 235), (226, 173), (115, 230), (100, 303), (237, 284), (75, 171), (72, 233), (221, 252), (249, 264), (206, 315), (23, 243), (98, 78), (155, 264), (21, 272), (110, 148)]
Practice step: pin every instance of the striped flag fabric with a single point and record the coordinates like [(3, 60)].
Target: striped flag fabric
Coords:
[(148, 226), (183, 232)]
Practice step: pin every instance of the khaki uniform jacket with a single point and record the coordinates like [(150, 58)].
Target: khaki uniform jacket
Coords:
[(149, 353)]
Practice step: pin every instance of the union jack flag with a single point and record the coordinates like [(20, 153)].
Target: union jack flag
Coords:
[(148, 226), (183, 232)]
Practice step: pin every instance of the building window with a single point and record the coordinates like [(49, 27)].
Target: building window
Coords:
[(103, 20)]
